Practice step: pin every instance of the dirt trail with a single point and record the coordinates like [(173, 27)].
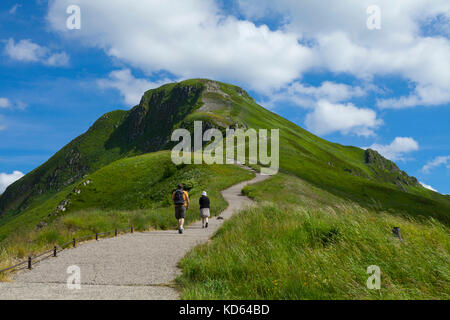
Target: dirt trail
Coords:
[(141, 265)]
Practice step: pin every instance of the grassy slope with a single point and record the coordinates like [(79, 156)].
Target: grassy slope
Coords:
[(304, 243), (148, 181), (91, 143), (308, 157), (130, 191), (87, 151)]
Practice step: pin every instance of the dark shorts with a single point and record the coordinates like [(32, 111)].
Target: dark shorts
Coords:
[(180, 212)]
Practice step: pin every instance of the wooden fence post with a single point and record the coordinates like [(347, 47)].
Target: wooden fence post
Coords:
[(29, 263), (55, 251)]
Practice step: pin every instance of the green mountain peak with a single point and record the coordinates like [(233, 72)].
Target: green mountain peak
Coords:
[(349, 172)]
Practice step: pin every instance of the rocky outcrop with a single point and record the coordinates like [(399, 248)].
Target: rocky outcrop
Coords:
[(149, 125), (377, 160), (63, 206), (388, 171)]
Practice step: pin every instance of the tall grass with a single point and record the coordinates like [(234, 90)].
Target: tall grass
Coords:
[(302, 252)]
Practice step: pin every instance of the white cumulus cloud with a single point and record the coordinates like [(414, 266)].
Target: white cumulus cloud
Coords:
[(58, 59), (7, 179), (5, 103), (328, 117), (437, 162), (190, 38), (331, 91), (27, 51), (397, 149), (307, 96), (130, 88), (342, 43), (24, 50)]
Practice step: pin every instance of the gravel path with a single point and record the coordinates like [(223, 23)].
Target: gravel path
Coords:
[(132, 266)]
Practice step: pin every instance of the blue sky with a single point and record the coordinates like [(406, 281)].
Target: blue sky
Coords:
[(315, 63)]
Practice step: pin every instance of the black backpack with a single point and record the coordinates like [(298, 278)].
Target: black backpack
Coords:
[(178, 198)]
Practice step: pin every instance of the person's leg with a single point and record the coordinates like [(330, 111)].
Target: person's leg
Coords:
[(177, 217), (180, 218), (181, 215), (181, 223)]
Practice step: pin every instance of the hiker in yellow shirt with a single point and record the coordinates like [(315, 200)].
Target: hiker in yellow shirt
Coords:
[(180, 199)]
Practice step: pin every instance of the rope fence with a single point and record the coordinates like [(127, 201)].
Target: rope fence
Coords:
[(56, 249)]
